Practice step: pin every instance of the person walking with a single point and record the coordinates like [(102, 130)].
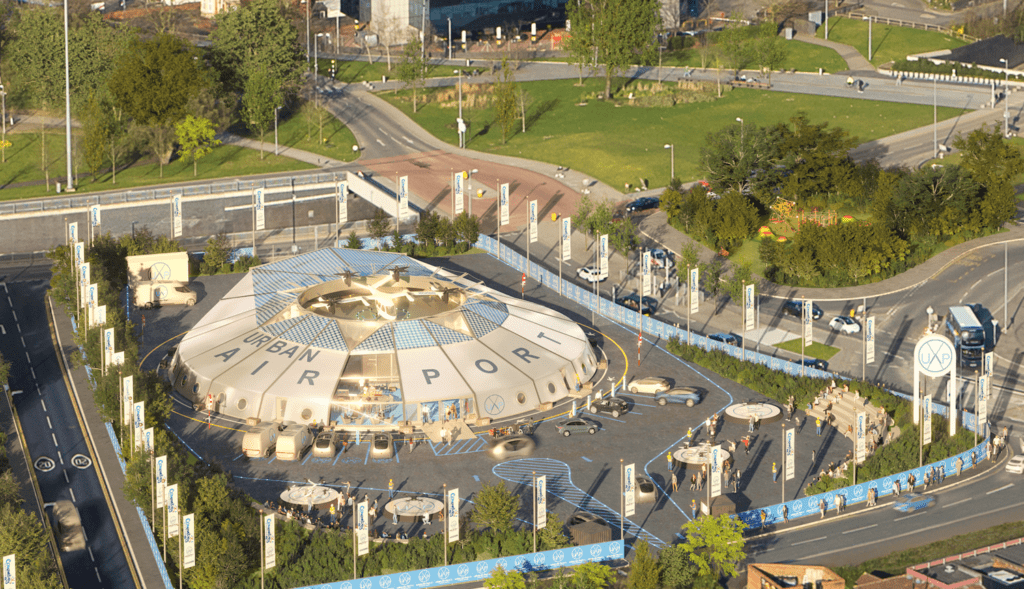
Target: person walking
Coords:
[(750, 425), (675, 482), (911, 482), (746, 444), (757, 423), (837, 503), (735, 481), (817, 422), (785, 514), (821, 506), (959, 465), (764, 517), (693, 482), (775, 473), (391, 488), (693, 508)]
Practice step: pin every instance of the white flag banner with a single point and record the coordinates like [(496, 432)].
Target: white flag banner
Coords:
[(108, 344), (147, 440), (603, 269), (504, 203), (261, 216), (92, 295), (94, 215), (629, 490), (139, 422), (342, 204), (694, 290), (989, 363), (869, 341), (716, 470), (117, 359), (861, 432), (808, 317), (79, 253), (72, 233), (172, 510), (452, 518), (269, 544), (533, 221), (540, 491), (362, 529), (567, 239), (790, 464), (160, 465), (951, 399), (129, 400), (98, 316), (460, 191), (188, 556), (982, 404), (176, 214), (84, 279), (10, 573), (646, 272), (748, 307), (927, 405), (403, 196)]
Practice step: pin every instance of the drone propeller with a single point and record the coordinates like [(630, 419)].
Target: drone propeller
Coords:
[(397, 271), (347, 275)]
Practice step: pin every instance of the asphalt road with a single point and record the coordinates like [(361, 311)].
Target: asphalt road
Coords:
[(62, 460)]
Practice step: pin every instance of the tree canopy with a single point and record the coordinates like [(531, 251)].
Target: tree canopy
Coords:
[(257, 37)]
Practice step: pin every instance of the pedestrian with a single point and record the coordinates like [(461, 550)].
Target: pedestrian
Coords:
[(871, 496), (911, 481), (675, 483), (821, 506), (391, 488), (750, 425), (927, 479), (849, 81), (693, 507), (896, 488), (333, 513), (669, 458), (817, 422), (988, 449), (444, 436), (764, 517), (837, 503), (959, 465), (412, 445), (394, 516), (746, 444), (757, 422), (426, 414), (775, 473), (735, 481), (693, 482), (842, 502)]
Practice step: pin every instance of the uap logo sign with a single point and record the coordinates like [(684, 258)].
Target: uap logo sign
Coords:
[(346, 586), (540, 559), (595, 551), (577, 553), (188, 530), (934, 355), (365, 584), (443, 573), (558, 556), (463, 570), (481, 568), (405, 578), (520, 561), (424, 576), (385, 581), (9, 570), (453, 504), (629, 479), (615, 548)]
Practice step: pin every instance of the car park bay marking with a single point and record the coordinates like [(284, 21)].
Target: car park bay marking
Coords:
[(1003, 488), (585, 458)]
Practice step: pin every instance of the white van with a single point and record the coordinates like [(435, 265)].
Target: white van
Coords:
[(293, 442), (261, 439)]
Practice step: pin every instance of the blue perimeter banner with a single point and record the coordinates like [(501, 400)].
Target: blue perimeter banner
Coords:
[(480, 570)]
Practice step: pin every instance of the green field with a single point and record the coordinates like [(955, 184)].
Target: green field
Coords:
[(815, 350), (803, 57), (890, 42), (622, 144), (298, 132)]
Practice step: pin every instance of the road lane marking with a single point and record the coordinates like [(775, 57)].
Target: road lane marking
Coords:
[(861, 529), (957, 503), (66, 479), (585, 458), (18, 325), (23, 342), (54, 436), (44, 404), (13, 312), (3, 330), (907, 516), (60, 457), (73, 500), (407, 140), (381, 142), (97, 574), (27, 357), (33, 372), (1003, 488), (48, 422), (91, 557), (808, 541)]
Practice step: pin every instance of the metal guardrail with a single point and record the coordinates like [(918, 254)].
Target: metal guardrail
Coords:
[(910, 24)]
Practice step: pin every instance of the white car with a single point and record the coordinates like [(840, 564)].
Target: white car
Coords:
[(650, 385), (1016, 464), (844, 324), (661, 258), (591, 274)]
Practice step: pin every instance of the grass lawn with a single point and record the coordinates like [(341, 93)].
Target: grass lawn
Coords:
[(622, 144), (298, 132), (23, 165), (362, 71), (803, 57), (815, 350), (891, 43)]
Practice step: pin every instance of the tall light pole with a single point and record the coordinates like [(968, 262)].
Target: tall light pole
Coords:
[(67, 101), (3, 106), (935, 117), (1006, 99), (307, 29), (742, 135), (450, 50), (672, 148), (276, 108)]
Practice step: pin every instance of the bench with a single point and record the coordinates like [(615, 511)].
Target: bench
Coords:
[(750, 84)]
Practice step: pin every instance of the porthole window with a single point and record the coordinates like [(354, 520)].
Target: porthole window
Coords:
[(551, 388), (241, 404), (306, 414), (195, 388), (521, 397)]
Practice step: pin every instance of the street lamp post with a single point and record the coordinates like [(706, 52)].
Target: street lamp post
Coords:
[(133, 235), (1006, 99), (672, 148), (67, 102), (935, 117), (3, 106), (449, 38), (277, 108)]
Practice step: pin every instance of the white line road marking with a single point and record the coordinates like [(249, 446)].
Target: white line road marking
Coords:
[(861, 529), (66, 479), (907, 516), (29, 358), (957, 503), (407, 140), (381, 142), (9, 300), (73, 500), (13, 312), (33, 372), (54, 436), (1003, 488), (3, 330), (97, 574), (60, 457), (84, 533), (91, 557), (23, 342), (18, 325), (808, 541), (48, 422), (44, 405)]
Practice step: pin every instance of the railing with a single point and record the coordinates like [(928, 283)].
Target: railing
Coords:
[(910, 24)]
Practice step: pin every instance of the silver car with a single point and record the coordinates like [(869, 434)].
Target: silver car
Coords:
[(650, 385), (382, 446), (326, 445)]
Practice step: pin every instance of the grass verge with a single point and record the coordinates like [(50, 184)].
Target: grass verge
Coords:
[(815, 350), (890, 42), (803, 57), (301, 131)]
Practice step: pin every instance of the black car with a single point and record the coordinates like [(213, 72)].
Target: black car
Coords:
[(648, 306), (643, 203), (793, 308), (815, 363), (725, 338), (612, 405)]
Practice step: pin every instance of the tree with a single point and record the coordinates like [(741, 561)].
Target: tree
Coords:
[(354, 243), (196, 139), (624, 238), (387, 26), (502, 579), (258, 37), (591, 575), (552, 536), (715, 543), (262, 94), (413, 68), (624, 33), (769, 50), (380, 226), (736, 49), (22, 533), (579, 43), (466, 229), (741, 276), (496, 507), (994, 163), (504, 100), (218, 248), (95, 49), (523, 99), (678, 571), (645, 572)]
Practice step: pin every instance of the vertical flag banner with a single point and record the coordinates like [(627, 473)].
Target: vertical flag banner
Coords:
[(72, 233), (403, 196), (172, 511), (176, 214), (694, 286), (453, 515), (629, 490), (869, 340), (161, 480), (459, 189), (188, 557), (100, 315), (567, 239), (982, 402), (716, 470), (92, 295), (603, 269), (108, 343), (261, 216), (10, 573), (269, 544), (94, 215), (129, 400), (362, 530), (808, 318), (748, 307), (117, 359), (85, 275), (342, 203), (989, 363), (504, 203), (861, 433), (533, 221), (147, 440), (790, 465), (79, 253), (541, 492), (927, 404), (139, 418), (951, 399), (646, 271)]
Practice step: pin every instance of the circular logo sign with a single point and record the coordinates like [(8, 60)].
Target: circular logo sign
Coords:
[(346, 585), (615, 549), (577, 553), (424, 576), (558, 556), (405, 578), (385, 581), (443, 573), (81, 461), (520, 560), (494, 404), (481, 568), (365, 584), (463, 570), (595, 551), (44, 464), (934, 355)]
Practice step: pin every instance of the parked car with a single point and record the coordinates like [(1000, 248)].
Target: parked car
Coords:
[(661, 258), (513, 447), (815, 363), (583, 517), (643, 203), (844, 324), (67, 526), (591, 274), (912, 502), (576, 425), (648, 384), (632, 301), (686, 395), (381, 446), (525, 427), (1016, 464), (613, 405), (293, 442), (261, 439), (725, 338), (326, 445), (646, 491), (793, 308)]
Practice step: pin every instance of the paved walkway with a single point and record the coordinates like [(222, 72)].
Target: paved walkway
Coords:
[(283, 150), (856, 62)]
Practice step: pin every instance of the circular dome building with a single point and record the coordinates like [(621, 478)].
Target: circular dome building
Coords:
[(366, 338)]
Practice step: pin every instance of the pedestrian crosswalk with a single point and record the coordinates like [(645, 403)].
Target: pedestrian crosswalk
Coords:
[(463, 446), (559, 481)]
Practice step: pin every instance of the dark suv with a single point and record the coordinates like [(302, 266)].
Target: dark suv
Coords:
[(647, 306), (643, 203), (793, 308)]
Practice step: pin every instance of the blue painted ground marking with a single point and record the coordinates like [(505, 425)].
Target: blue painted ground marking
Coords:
[(635, 413), (273, 459), (367, 459), (585, 458), (336, 459), (476, 478), (399, 460), (643, 404), (308, 456), (237, 457)]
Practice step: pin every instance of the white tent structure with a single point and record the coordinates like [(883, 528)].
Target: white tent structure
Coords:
[(376, 339)]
